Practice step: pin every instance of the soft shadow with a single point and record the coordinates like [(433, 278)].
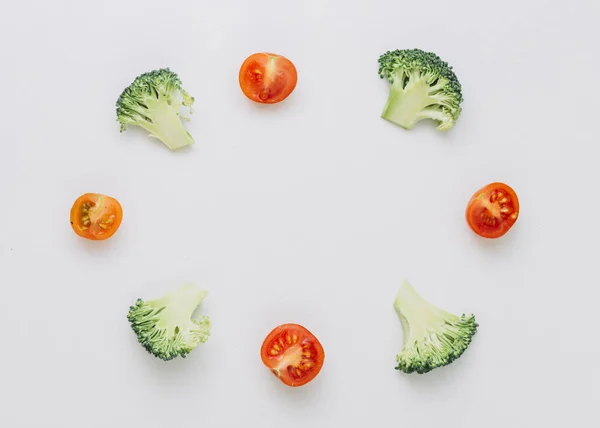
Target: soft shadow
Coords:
[(305, 396), (432, 125), (442, 377), (504, 244), (276, 108), (95, 247), (176, 372)]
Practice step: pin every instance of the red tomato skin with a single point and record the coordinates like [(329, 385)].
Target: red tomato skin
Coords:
[(493, 210), (293, 354), (267, 78)]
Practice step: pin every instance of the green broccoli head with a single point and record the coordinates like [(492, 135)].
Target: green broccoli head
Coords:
[(153, 102), (432, 337), (165, 326), (422, 87)]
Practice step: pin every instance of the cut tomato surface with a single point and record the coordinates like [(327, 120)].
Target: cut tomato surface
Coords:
[(95, 216), (267, 78), (293, 354), (493, 210)]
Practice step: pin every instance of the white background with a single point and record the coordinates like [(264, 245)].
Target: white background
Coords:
[(311, 211)]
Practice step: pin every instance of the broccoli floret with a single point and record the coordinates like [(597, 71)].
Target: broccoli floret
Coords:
[(165, 326), (422, 87), (153, 102), (432, 337)]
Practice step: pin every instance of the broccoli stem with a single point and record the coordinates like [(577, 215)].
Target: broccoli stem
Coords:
[(417, 315), (178, 306), (436, 114), (166, 124), (404, 105)]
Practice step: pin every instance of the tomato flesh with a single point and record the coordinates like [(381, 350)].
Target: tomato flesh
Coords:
[(267, 78), (293, 354), (493, 210), (95, 216)]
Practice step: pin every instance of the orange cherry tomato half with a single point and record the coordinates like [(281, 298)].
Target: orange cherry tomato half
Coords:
[(267, 78), (96, 217), (293, 354), (493, 210)]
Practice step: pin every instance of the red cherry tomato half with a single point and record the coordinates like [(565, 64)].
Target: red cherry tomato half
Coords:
[(293, 354), (267, 78), (493, 210)]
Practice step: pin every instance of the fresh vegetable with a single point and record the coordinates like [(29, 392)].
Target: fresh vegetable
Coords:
[(432, 337), (95, 216), (165, 326), (153, 101), (422, 87), (267, 78), (493, 210), (293, 354)]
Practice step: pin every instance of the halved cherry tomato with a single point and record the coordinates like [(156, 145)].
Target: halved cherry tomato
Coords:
[(96, 217), (267, 78), (493, 210), (293, 354)]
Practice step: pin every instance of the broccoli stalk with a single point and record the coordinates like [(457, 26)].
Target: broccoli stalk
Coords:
[(165, 327), (422, 86), (432, 337), (166, 124), (153, 102)]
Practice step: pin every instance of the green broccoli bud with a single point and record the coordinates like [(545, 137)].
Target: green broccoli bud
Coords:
[(165, 327), (422, 87), (432, 337), (153, 102)]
